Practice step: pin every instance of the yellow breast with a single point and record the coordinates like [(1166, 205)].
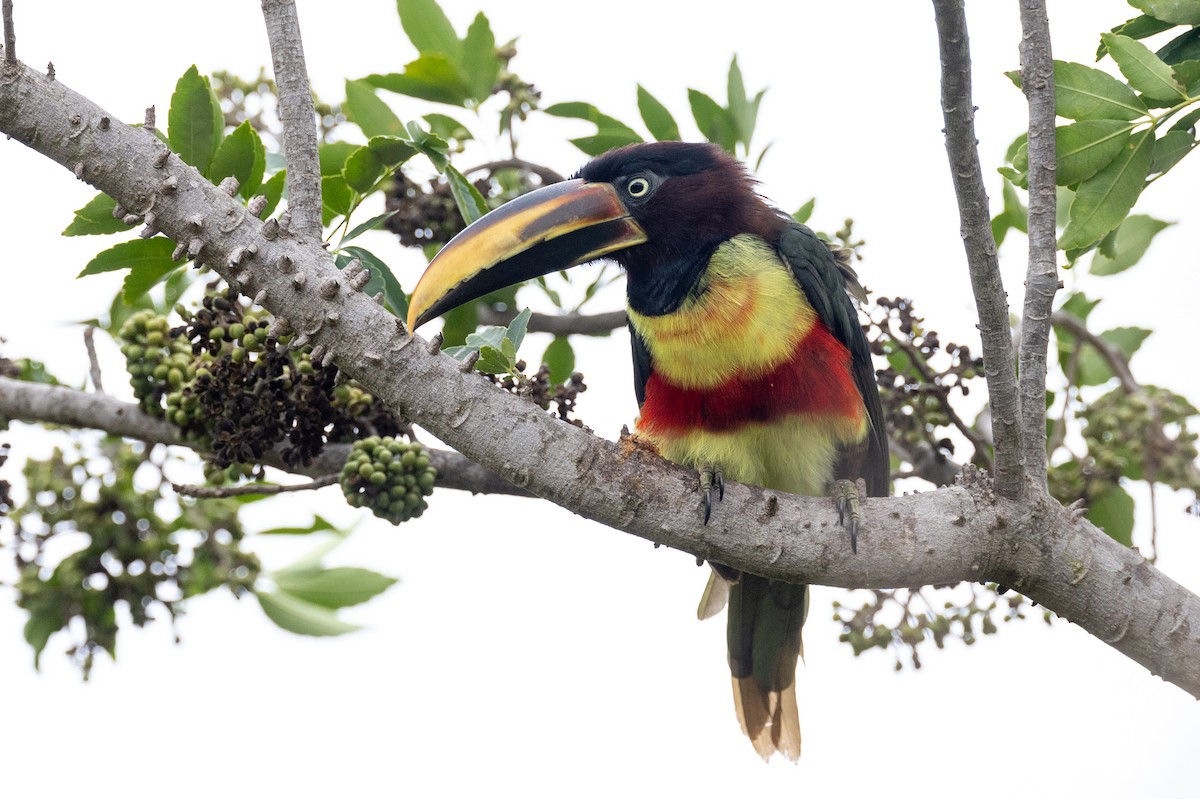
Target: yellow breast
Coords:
[(747, 317)]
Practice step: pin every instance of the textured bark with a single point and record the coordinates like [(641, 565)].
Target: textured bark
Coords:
[(991, 301), (962, 533), (1041, 276), (298, 117), (35, 402)]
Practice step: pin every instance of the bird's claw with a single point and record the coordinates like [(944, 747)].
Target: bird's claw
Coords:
[(711, 477), (845, 492)]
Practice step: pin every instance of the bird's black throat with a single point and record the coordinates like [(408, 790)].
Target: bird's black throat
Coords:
[(659, 289)]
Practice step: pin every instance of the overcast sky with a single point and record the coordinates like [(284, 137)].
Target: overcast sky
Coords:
[(528, 651)]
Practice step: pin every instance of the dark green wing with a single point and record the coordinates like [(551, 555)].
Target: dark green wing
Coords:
[(824, 282), (641, 364)]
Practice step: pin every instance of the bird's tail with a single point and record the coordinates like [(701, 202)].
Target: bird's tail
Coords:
[(765, 620)]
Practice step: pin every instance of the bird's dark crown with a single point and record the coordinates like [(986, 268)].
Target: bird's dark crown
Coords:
[(665, 159)]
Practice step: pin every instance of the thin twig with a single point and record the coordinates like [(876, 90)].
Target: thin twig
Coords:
[(297, 115), (1111, 355), (547, 174), (1041, 276), (10, 35), (982, 457), (221, 492), (94, 363), (990, 300), (562, 325)]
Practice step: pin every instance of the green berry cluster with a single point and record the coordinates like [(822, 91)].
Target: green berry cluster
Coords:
[(157, 361), (389, 476), (133, 556), (238, 392), (1141, 436)]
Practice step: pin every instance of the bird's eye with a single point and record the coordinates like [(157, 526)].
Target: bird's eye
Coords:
[(637, 187)]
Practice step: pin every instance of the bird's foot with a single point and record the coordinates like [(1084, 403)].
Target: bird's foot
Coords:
[(710, 478), (846, 493)]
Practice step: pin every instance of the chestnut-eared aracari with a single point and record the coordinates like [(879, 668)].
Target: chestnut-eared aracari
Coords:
[(749, 361)]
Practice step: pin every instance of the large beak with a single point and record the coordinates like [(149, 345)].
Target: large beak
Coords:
[(553, 228)]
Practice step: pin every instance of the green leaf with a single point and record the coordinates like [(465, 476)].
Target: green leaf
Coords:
[(150, 268), (362, 169), (1184, 47), (1084, 148), (1079, 306), (241, 154), (340, 587), (428, 28), (1085, 93), (517, 327), (371, 224), (297, 616), (447, 127), (1187, 73), (45, 619), (96, 218), (194, 122), (805, 211), (1102, 201), (273, 191), (431, 77), (1093, 369), (130, 255), (1136, 28), (1146, 72), (382, 279), (603, 142), (560, 357), (470, 202), (1130, 244), (458, 323), (494, 362), (1015, 214), (658, 119), (372, 115), (1179, 12), (714, 121), (479, 58), (392, 150), (1170, 149), (1112, 511), (333, 155), (433, 148), (589, 112), (319, 524), (336, 197)]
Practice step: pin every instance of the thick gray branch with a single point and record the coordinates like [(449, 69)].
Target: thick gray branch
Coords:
[(1041, 276), (36, 402), (959, 533), (297, 116), (990, 300)]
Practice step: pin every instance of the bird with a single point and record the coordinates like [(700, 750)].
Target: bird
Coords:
[(749, 360)]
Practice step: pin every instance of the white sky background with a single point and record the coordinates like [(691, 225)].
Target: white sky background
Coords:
[(526, 651)]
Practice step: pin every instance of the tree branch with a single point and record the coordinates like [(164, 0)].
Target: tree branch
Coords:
[(296, 113), (10, 34), (1053, 556), (1041, 277), (45, 404), (547, 174), (990, 299), (601, 324)]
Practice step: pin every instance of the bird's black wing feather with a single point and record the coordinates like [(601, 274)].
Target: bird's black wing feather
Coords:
[(641, 365), (824, 283)]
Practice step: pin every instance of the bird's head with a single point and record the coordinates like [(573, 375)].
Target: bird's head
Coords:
[(641, 205)]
